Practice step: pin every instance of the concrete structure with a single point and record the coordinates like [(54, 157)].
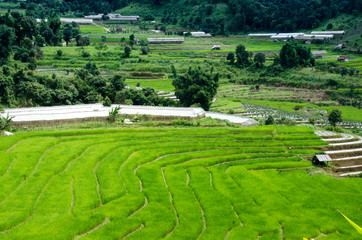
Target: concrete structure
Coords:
[(72, 114), (77, 20), (165, 40)]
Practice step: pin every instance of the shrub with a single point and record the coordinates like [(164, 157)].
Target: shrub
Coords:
[(329, 26), (85, 54), (259, 59), (59, 53), (270, 120), (286, 121), (107, 102), (128, 102), (145, 50)]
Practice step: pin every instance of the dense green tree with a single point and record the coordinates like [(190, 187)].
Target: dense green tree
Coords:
[(334, 117), (305, 57), (293, 55), (196, 87), (259, 59), (288, 56), (28, 28), (344, 72), (6, 40), (68, 33), (131, 38), (6, 92), (118, 82), (242, 56), (40, 41), (127, 52), (231, 58), (82, 41), (48, 34)]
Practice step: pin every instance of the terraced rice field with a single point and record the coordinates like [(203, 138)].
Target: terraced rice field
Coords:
[(173, 183)]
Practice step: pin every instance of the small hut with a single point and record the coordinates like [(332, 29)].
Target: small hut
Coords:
[(216, 47), (342, 59), (321, 159)]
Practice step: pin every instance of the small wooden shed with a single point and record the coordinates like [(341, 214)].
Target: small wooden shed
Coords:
[(321, 159)]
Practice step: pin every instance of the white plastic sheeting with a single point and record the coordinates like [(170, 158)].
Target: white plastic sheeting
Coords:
[(98, 110), (232, 118)]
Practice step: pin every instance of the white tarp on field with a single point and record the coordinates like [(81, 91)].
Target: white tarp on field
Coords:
[(232, 118), (98, 110)]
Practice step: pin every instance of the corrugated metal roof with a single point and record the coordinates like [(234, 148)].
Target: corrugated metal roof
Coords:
[(323, 158)]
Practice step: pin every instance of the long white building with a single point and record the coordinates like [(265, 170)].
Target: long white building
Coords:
[(77, 20), (328, 32)]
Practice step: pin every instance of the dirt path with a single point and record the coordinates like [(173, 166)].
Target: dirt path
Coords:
[(107, 29)]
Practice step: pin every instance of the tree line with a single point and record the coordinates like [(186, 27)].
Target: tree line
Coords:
[(22, 36), (213, 16), (24, 88)]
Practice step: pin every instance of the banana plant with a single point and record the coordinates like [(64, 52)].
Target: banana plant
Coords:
[(5, 122)]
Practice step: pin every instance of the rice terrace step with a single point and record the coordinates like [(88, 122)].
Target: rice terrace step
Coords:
[(180, 183)]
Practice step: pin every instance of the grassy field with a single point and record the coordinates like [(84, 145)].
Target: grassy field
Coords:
[(89, 29), (293, 100), (157, 84), (173, 183), (348, 112)]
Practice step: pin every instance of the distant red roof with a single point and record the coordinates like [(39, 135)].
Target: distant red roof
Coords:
[(343, 57)]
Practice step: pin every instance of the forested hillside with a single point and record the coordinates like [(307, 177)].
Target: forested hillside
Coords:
[(215, 16)]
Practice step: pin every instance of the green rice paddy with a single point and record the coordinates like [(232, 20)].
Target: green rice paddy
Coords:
[(172, 183)]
